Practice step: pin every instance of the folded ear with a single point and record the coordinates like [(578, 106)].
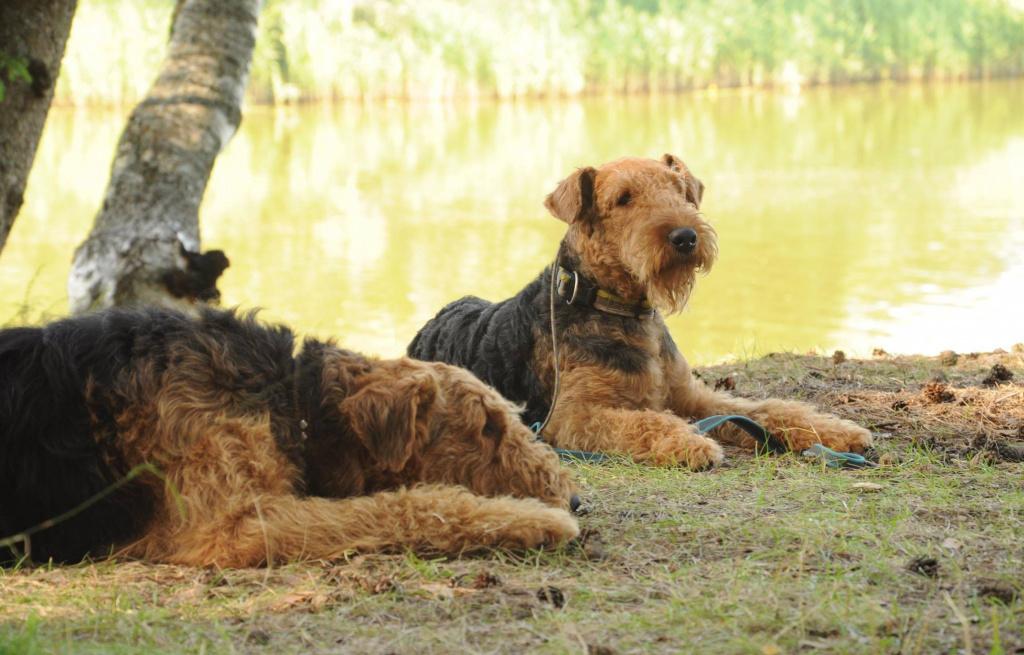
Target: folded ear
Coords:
[(385, 416), (573, 199), (694, 187), (694, 190)]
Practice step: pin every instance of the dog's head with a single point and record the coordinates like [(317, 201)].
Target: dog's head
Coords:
[(637, 228), (433, 423)]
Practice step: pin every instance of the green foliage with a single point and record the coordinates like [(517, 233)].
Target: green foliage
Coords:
[(23, 641), (12, 69), (316, 49)]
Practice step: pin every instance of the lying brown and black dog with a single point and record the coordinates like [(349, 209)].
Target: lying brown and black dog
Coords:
[(635, 242), (252, 454)]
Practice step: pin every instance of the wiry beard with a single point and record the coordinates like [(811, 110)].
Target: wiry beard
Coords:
[(667, 278), (670, 290)]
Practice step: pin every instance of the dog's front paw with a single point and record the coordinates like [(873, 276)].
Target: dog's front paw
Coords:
[(541, 527), (800, 426), (845, 436), (693, 451), (832, 432)]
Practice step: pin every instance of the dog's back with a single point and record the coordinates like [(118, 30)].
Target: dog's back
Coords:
[(494, 341), (50, 460), (61, 389)]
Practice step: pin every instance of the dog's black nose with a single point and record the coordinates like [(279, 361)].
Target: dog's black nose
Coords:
[(574, 503), (683, 239)]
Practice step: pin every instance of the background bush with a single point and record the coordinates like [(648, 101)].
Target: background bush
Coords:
[(333, 49)]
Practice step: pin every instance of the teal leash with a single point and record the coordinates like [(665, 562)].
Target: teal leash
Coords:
[(835, 459), (767, 443)]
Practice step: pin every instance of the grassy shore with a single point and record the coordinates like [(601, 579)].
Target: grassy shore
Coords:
[(762, 555)]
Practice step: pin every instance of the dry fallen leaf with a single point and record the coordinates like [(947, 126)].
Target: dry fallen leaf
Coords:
[(867, 486)]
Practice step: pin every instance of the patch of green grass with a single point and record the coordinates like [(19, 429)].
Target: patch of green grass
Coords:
[(761, 555)]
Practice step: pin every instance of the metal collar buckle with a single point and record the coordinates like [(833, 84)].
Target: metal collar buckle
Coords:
[(563, 280)]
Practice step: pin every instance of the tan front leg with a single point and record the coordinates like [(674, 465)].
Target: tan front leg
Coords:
[(597, 414), (797, 424), (435, 519)]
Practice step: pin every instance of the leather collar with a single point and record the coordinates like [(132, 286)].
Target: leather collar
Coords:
[(578, 290)]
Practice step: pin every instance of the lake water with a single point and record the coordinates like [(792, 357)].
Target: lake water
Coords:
[(852, 218)]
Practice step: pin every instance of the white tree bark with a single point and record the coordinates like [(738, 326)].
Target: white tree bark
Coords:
[(33, 34), (144, 244)]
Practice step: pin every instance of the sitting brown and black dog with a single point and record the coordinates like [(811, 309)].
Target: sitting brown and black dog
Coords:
[(635, 242), (246, 453)]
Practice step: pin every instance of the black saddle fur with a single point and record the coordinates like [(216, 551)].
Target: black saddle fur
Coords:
[(61, 387)]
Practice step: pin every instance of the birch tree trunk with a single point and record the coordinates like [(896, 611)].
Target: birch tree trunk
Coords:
[(144, 244), (32, 39)]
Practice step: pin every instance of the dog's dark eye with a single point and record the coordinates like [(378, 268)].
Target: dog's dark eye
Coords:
[(624, 199)]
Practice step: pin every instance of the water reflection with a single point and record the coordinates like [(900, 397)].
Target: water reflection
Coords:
[(852, 218)]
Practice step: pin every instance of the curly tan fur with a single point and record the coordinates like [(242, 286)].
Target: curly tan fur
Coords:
[(433, 432)]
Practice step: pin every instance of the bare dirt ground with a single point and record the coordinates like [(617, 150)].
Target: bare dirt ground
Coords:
[(764, 555)]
